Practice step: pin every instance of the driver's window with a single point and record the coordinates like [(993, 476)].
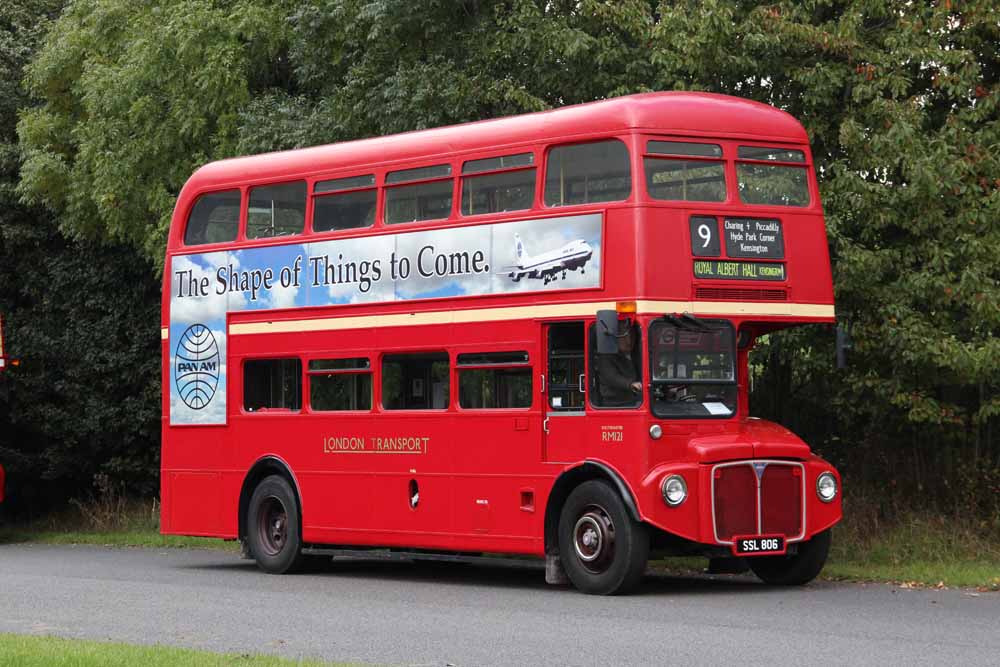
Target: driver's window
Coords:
[(616, 379), (692, 367)]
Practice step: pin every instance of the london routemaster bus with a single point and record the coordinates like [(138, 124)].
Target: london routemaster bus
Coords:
[(517, 336)]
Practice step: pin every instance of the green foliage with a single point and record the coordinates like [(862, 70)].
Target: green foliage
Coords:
[(899, 99), (135, 97), (83, 320)]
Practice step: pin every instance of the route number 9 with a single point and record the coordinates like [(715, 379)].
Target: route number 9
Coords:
[(705, 236)]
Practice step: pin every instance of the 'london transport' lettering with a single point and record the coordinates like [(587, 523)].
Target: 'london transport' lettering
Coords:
[(375, 445)]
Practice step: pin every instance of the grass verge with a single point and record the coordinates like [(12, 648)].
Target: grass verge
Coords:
[(31, 651), (913, 549), (917, 550), (107, 521)]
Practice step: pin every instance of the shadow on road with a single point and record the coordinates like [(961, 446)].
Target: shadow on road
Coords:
[(524, 575)]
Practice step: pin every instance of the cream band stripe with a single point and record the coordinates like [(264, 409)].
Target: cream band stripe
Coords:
[(164, 333), (807, 310)]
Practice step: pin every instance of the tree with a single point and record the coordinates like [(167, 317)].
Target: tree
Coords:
[(135, 96), (899, 99), (82, 316)]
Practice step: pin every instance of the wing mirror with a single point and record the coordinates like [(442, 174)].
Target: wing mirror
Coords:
[(607, 332)]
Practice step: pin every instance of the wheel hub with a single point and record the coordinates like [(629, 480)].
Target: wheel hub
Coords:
[(593, 538), (274, 526)]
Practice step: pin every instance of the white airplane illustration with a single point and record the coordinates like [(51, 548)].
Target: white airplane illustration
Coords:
[(574, 255)]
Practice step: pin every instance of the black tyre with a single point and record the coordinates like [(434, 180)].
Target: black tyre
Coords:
[(795, 570), (273, 526), (603, 550)]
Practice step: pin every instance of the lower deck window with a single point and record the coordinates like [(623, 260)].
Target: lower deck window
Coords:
[(566, 367), (494, 381), (415, 381), (272, 384), (340, 384)]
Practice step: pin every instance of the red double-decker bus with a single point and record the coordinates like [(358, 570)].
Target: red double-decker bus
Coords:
[(520, 336)]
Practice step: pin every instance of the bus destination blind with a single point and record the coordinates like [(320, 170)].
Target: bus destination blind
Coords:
[(724, 270)]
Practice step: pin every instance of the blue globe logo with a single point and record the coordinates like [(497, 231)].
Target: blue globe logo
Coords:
[(196, 366)]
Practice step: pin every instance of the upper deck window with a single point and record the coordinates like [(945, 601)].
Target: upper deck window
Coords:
[(672, 177), (277, 210), (772, 176), (215, 218), (588, 173), (346, 203), (498, 191), (426, 200)]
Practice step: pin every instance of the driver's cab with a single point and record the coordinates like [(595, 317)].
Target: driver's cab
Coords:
[(692, 362)]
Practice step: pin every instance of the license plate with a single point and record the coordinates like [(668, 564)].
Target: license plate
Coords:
[(759, 545)]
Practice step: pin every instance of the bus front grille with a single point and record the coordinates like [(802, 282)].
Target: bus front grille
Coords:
[(757, 498)]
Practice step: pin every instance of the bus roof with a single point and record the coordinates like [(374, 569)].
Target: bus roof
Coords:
[(677, 113)]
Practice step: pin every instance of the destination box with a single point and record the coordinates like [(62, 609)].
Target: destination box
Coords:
[(722, 270), (753, 238)]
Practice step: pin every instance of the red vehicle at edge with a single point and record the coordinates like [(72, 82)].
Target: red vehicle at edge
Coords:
[(4, 361), (525, 336)]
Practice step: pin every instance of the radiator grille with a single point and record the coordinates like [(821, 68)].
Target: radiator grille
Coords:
[(737, 496), (735, 501), (740, 294), (781, 500)]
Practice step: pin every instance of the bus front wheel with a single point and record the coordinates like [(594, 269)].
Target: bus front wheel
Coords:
[(795, 570), (603, 550), (273, 526)]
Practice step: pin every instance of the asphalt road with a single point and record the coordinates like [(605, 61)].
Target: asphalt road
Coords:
[(442, 614)]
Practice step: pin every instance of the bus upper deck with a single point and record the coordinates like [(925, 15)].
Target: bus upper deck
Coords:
[(706, 214)]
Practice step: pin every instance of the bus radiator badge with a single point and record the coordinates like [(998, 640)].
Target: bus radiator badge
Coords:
[(196, 366), (759, 469)]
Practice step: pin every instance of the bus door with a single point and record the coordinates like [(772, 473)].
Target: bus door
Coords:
[(565, 383)]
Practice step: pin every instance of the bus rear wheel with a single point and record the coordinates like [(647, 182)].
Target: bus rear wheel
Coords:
[(603, 550), (273, 526), (795, 570)]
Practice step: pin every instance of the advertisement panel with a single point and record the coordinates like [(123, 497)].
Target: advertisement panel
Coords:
[(522, 256)]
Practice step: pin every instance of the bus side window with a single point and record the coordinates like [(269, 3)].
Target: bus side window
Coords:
[(566, 366), (585, 173), (340, 384), (429, 199), (272, 384), (344, 203), (494, 185), (613, 377), (215, 218), (416, 381), (494, 380), (277, 210)]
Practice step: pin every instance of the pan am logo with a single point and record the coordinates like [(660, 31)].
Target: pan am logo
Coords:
[(196, 366)]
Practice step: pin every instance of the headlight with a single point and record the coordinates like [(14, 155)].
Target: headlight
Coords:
[(826, 487), (674, 489)]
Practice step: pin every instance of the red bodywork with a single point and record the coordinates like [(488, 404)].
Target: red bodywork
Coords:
[(486, 476)]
